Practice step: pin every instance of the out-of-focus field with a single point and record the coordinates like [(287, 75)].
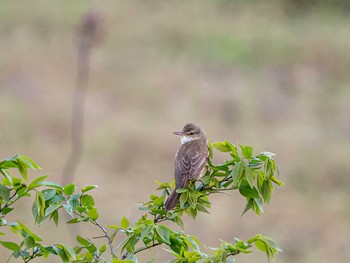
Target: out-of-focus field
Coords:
[(246, 72)]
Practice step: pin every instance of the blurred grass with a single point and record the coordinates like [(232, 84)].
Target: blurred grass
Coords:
[(247, 72)]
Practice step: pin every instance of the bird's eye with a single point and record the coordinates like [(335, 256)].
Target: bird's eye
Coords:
[(191, 133)]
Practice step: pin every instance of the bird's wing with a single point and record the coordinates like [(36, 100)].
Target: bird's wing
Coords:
[(189, 162), (198, 161)]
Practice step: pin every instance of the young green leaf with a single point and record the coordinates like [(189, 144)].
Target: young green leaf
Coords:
[(29, 242), (124, 222), (29, 162), (158, 201), (249, 175), (10, 245), (237, 173), (164, 233), (221, 146), (4, 193), (40, 203), (93, 214), (34, 184), (249, 192), (50, 184), (27, 231), (69, 189), (247, 151), (88, 201), (233, 148), (248, 206), (48, 194), (52, 208), (88, 188)]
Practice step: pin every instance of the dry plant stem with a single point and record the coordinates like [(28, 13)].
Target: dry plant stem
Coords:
[(87, 31), (78, 105)]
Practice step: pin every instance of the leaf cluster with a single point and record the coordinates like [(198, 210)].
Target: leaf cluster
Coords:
[(47, 203), (254, 176)]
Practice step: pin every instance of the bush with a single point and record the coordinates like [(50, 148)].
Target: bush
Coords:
[(252, 175)]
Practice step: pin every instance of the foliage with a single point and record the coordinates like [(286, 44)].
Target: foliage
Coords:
[(252, 175)]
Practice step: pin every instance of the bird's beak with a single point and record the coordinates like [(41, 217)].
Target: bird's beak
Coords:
[(178, 133)]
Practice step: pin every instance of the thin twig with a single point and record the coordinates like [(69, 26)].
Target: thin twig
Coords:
[(144, 248), (105, 235)]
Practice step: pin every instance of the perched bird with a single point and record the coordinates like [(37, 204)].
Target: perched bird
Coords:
[(190, 160)]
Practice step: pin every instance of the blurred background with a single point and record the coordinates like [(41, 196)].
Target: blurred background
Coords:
[(271, 74)]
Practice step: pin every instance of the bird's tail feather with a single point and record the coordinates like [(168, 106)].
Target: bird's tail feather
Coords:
[(172, 200)]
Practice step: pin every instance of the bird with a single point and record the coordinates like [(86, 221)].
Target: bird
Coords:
[(190, 161)]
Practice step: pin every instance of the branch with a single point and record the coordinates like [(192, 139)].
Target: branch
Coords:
[(11, 197), (145, 248), (140, 250), (104, 236)]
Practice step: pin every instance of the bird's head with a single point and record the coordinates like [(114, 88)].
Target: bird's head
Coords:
[(191, 132)]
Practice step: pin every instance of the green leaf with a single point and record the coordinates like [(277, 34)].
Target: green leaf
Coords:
[(237, 173), (266, 190), (74, 221), (69, 209), (88, 188), (210, 151), (249, 175), (54, 217), (69, 189), (35, 184), (4, 193), (276, 181), (248, 206), (247, 151), (87, 200), (124, 222), (29, 242), (40, 203), (103, 248), (7, 175), (181, 190), (69, 252), (158, 201), (265, 155), (23, 170), (10, 245), (249, 192), (48, 194), (52, 208), (93, 214), (193, 242), (258, 208), (50, 184), (61, 253), (164, 233), (26, 229), (192, 199), (6, 210), (29, 162), (183, 198), (221, 146), (233, 148)]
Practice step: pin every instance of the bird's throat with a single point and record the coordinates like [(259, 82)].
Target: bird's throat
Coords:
[(185, 139)]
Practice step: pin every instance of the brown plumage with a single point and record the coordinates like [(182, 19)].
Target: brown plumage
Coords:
[(190, 160)]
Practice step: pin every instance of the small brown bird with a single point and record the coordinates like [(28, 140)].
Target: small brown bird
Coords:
[(190, 160)]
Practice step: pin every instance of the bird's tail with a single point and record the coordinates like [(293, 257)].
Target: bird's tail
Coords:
[(172, 200)]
